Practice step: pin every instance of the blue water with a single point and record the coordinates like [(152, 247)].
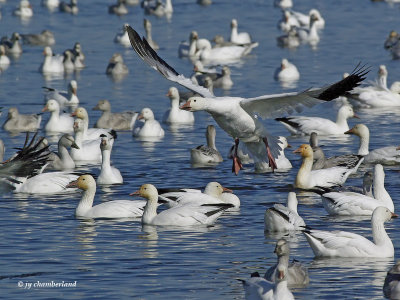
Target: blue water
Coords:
[(40, 239)]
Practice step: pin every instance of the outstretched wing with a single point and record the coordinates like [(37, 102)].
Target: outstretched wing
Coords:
[(144, 50), (274, 105)]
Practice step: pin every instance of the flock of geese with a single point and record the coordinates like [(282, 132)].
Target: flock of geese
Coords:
[(35, 169)]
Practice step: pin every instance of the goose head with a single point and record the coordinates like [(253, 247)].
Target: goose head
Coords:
[(73, 86), (284, 142), (382, 70), (146, 191), (282, 248), (305, 151), (80, 113), (68, 140), (234, 23), (360, 130), (284, 63), (347, 112), (51, 105), (103, 105), (47, 51), (195, 104), (226, 71), (215, 189), (173, 93), (105, 143), (382, 214), (12, 112), (146, 114), (84, 182)]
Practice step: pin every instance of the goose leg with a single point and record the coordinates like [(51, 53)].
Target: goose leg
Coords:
[(271, 159), (237, 164)]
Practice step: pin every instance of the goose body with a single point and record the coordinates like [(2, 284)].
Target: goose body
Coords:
[(52, 64), (304, 19), (310, 35), (206, 154), (24, 9), (88, 150), (175, 115), (45, 183), (4, 60), (17, 122), (57, 122), (13, 45), (117, 121), (116, 66), (287, 71), (238, 37), (64, 99), (151, 127)]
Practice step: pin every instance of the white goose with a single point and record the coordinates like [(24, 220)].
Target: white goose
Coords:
[(57, 122), (161, 9), (13, 45), (284, 218), (62, 160), (307, 178), (64, 99), (214, 193), (51, 4), (17, 122), (347, 244), (282, 162), (185, 49), (387, 155), (24, 9), (355, 204), (287, 71), (182, 215), (108, 173), (235, 115), (51, 64), (151, 127), (117, 121), (122, 37), (238, 37), (149, 37), (110, 210), (4, 60), (380, 83), (118, 9), (89, 150), (310, 35), (297, 275), (307, 125), (116, 66), (175, 115), (89, 133), (205, 155), (287, 21), (304, 20)]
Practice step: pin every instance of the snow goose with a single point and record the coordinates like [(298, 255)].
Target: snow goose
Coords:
[(71, 8), (307, 125), (151, 127), (283, 164), (220, 80), (304, 20), (4, 60), (116, 66), (391, 287), (284, 4), (109, 210), (289, 40), (45, 38), (235, 115), (13, 45), (89, 133), (78, 57), (123, 38), (88, 150), (68, 63), (287, 71), (287, 21), (307, 178), (297, 275), (51, 64), (57, 122), (147, 28), (69, 98), (108, 173), (185, 49), (309, 35), (387, 155), (117, 121), (205, 155), (24, 10), (160, 9), (347, 244), (62, 160), (174, 115), (51, 4), (238, 37), (380, 84), (17, 122), (261, 289), (118, 9), (284, 218), (355, 204), (181, 215)]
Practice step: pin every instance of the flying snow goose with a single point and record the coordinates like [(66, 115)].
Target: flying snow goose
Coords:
[(355, 204), (151, 127), (62, 160), (284, 218), (307, 178), (238, 37), (174, 115), (307, 125), (297, 274), (149, 37), (236, 115), (64, 99), (109, 210), (182, 215), (89, 133), (71, 8), (57, 122), (347, 244), (391, 287), (17, 122), (282, 162), (117, 121), (204, 155), (387, 155), (287, 71), (108, 174)]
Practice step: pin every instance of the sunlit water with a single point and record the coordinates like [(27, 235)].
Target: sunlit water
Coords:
[(40, 239)]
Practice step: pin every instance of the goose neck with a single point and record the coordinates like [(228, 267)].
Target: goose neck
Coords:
[(303, 175), (150, 210), (86, 202), (364, 145), (379, 233)]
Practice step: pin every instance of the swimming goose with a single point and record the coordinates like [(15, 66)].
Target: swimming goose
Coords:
[(13, 45), (116, 66), (283, 4), (391, 287), (57, 122), (309, 35), (289, 40), (62, 160), (68, 63), (108, 173), (147, 28), (204, 155), (181, 215), (287, 71), (238, 37), (235, 115), (307, 125), (52, 64), (24, 9), (118, 9), (219, 41), (304, 20), (109, 210), (297, 275), (220, 80), (261, 289), (123, 38), (185, 49), (347, 244), (69, 98), (88, 150), (151, 127), (17, 122), (283, 164), (4, 60), (355, 204), (71, 8), (387, 155), (307, 178), (51, 4), (284, 218), (78, 56), (174, 115), (117, 121), (89, 133), (160, 9), (45, 38), (391, 40), (287, 21)]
